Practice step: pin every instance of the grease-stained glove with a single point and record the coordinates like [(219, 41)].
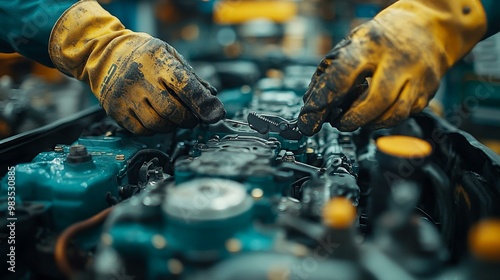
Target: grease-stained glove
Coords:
[(141, 82), (406, 49)]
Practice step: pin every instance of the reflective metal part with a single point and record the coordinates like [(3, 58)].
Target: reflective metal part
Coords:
[(207, 199), (263, 124), (236, 122)]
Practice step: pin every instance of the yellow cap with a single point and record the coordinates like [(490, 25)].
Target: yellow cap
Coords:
[(484, 240), (237, 12), (339, 213), (404, 146)]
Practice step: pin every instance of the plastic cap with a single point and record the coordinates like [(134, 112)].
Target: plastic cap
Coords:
[(339, 213), (404, 146), (484, 240)]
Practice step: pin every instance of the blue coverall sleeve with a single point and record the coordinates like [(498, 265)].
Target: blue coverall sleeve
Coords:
[(492, 8), (26, 26)]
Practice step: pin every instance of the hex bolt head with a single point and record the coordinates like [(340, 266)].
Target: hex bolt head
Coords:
[(78, 154)]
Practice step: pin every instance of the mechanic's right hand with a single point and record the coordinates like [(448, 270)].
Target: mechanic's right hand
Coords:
[(141, 82), (406, 49)]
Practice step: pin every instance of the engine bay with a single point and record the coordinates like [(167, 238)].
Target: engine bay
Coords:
[(224, 201)]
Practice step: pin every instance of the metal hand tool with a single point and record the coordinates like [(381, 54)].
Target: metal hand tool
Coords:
[(264, 123)]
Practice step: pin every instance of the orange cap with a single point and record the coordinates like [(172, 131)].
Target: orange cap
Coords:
[(484, 240), (339, 213), (404, 146)]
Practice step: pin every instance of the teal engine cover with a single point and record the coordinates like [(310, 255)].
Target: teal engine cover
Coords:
[(73, 181)]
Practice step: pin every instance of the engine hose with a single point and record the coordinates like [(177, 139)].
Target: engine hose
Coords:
[(62, 242)]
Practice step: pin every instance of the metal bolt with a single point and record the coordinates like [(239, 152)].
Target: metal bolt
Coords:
[(175, 266), (58, 148), (120, 157), (78, 150), (257, 193), (158, 241), (289, 156), (245, 89), (233, 245), (78, 154)]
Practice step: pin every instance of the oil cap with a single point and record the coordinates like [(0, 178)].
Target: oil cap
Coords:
[(404, 146), (484, 240), (339, 213)]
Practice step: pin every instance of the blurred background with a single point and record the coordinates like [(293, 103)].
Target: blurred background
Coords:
[(237, 42)]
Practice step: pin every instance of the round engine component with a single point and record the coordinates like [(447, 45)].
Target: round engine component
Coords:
[(204, 214), (207, 199)]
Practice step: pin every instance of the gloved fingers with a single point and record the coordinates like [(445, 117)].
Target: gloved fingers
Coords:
[(313, 113), (357, 94), (421, 102), (188, 67), (138, 117), (207, 85), (334, 53), (195, 97), (168, 106), (131, 123), (192, 93), (385, 89), (325, 97), (323, 65), (151, 120), (124, 116), (341, 71), (198, 99), (398, 111)]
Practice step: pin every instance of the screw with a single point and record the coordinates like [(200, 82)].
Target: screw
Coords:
[(120, 157)]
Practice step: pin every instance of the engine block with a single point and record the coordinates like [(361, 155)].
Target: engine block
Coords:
[(223, 201)]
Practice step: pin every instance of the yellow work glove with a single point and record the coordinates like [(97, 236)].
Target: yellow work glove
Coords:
[(406, 49), (141, 82)]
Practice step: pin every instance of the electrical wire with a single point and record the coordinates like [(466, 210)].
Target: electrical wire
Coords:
[(62, 242)]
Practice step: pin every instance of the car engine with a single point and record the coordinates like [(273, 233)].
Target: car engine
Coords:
[(229, 201)]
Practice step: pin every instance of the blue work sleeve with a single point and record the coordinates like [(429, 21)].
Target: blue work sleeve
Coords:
[(492, 8), (26, 26)]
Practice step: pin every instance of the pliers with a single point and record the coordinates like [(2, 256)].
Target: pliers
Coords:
[(263, 123)]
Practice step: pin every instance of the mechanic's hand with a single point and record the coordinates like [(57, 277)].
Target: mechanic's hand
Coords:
[(141, 82), (406, 49)]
